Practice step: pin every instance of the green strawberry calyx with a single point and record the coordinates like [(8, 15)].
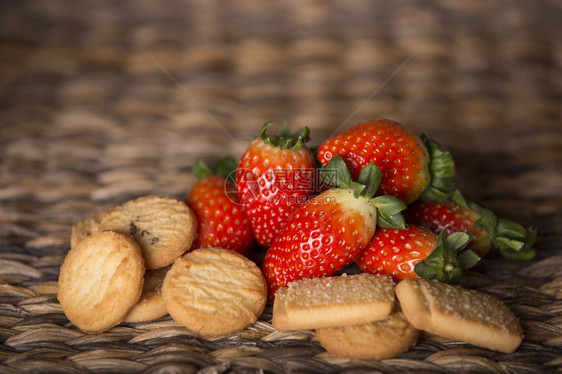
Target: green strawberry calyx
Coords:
[(514, 241), (285, 139), (224, 167), (389, 208), (442, 170), (447, 261)]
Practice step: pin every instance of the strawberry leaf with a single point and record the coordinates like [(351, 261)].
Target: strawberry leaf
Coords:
[(458, 240), (395, 221), (468, 259), (286, 139), (389, 210), (525, 255), (389, 204), (263, 135), (336, 173), (225, 166), (445, 263), (487, 222), (200, 169), (512, 240), (442, 170), (514, 245), (510, 229), (285, 131), (457, 198), (370, 177), (314, 151), (357, 188)]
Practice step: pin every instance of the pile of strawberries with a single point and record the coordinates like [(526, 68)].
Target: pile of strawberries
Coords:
[(377, 195)]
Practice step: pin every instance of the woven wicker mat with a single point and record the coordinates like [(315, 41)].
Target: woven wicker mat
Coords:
[(106, 101)]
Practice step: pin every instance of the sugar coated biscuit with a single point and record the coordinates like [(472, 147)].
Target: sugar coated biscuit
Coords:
[(457, 313), (164, 227), (376, 340), (151, 304), (214, 292), (100, 280), (333, 301), (86, 227)]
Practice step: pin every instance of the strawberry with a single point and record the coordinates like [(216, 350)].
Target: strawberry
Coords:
[(330, 230), (221, 220), (274, 176), (411, 166), (417, 252), (458, 214)]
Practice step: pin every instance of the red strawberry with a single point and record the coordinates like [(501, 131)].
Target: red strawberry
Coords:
[(458, 214), (447, 214), (411, 166), (417, 252), (221, 220), (274, 176), (330, 230)]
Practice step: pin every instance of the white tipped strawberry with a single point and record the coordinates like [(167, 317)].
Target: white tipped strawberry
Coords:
[(330, 231)]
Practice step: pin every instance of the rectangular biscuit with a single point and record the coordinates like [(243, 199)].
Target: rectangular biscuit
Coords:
[(458, 313), (333, 301)]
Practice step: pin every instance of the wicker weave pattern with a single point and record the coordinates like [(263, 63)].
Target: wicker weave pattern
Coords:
[(105, 101)]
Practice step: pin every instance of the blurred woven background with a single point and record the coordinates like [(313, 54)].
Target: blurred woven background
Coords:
[(105, 101)]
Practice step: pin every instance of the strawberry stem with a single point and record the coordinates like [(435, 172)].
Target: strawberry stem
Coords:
[(285, 139), (442, 170)]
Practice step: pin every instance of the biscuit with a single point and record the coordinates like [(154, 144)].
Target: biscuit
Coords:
[(333, 301), (376, 340), (100, 280), (151, 304), (457, 313), (86, 227), (164, 227), (214, 292)]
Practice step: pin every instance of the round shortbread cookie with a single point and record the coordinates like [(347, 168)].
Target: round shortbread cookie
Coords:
[(377, 340), (151, 304), (214, 292), (86, 227), (164, 227), (100, 280)]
